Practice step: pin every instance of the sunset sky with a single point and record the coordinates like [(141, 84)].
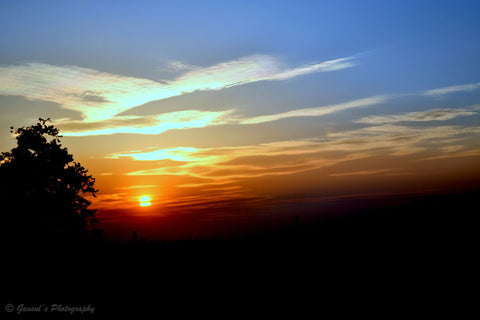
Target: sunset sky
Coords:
[(226, 113)]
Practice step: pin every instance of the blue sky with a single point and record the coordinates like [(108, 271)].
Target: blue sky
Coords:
[(188, 100), (399, 46), (130, 38)]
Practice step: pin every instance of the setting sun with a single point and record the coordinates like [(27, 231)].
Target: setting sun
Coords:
[(145, 201)]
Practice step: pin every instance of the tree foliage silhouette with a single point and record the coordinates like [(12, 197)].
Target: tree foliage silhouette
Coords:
[(42, 189)]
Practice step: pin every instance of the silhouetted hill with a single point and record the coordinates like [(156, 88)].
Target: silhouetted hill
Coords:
[(420, 245)]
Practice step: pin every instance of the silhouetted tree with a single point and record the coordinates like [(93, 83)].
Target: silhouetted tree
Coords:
[(42, 189)]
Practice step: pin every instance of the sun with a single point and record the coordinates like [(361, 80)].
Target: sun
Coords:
[(145, 201)]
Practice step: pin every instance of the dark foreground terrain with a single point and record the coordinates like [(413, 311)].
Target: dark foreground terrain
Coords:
[(394, 254)]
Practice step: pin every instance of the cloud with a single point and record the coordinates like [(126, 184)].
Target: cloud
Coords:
[(422, 116), (362, 172), (332, 65), (452, 89), (141, 186), (251, 69), (101, 96), (218, 163), (449, 155), (177, 66), (227, 74), (318, 111), (195, 119), (400, 140), (430, 115), (175, 154), (97, 95), (293, 156), (145, 124)]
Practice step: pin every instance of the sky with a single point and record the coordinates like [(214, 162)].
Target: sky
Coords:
[(233, 115)]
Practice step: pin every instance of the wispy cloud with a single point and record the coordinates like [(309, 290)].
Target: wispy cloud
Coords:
[(450, 155), (429, 115), (176, 66), (318, 111), (452, 89), (422, 116), (97, 95), (101, 96), (362, 172), (145, 124), (234, 162), (196, 119), (175, 154), (140, 186), (227, 164), (332, 65), (251, 69)]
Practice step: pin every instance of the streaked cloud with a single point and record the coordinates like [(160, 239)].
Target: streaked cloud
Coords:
[(450, 155), (176, 66), (140, 186), (362, 173), (175, 154), (145, 124), (422, 116), (227, 164), (332, 65), (251, 69), (209, 176), (97, 95), (100, 96), (318, 111), (452, 89), (196, 119), (219, 164)]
